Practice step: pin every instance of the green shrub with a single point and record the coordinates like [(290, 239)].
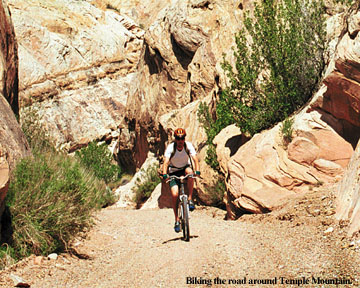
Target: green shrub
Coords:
[(51, 199), (275, 73), (210, 126), (287, 131), (99, 159), (145, 187), (34, 132), (280, 70)]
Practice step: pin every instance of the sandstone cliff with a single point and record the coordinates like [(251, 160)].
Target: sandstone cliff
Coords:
[(182, 51), (77, 67)]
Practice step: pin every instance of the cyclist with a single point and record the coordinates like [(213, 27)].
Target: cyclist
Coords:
[(177, 159)]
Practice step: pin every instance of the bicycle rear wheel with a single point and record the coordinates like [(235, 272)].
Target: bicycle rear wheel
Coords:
[(185, 220)]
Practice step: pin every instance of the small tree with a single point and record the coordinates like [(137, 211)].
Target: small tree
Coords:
[(278, 63), (276, 72)]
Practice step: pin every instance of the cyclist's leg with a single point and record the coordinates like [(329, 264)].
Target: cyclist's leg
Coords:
[(190, 186), (190, 182), (174, 189)]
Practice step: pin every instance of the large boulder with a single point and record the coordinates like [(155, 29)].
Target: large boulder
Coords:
[(126, 193), (12, 139), (77, 67), (264, 173), (227, 143)]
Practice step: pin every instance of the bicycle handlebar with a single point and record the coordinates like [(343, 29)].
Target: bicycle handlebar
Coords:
[(181, 177)]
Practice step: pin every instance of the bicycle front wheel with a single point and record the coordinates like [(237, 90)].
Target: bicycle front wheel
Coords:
[(185, 220)]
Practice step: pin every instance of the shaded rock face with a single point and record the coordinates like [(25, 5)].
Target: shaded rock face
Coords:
[(77, 67)]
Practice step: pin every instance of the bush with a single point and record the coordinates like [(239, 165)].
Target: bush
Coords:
[(34, 132), (287, 131), (51, 199), (280, 70), (211, 130), (145, 187), (99, 159)]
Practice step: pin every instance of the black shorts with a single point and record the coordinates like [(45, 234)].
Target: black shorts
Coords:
[(178, 173)]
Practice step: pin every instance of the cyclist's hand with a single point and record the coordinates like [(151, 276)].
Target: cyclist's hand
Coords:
[(197, 173), (165, 176)]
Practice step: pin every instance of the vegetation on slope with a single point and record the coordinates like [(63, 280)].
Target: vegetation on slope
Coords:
[(52, 196)]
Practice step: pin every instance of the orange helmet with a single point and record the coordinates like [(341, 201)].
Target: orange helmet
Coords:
[(180, 133)]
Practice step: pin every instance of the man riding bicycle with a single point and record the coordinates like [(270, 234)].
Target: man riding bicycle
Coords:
[(177, 159)]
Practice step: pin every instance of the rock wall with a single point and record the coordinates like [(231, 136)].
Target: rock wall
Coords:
[(341, 97), (348, 195), (142, 12), (182, 51), (343, 100), (77, 67)]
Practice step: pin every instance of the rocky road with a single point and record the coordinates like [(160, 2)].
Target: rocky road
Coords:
[(299, 245)]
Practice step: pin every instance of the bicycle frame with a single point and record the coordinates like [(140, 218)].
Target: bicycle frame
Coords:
[(183, 206)]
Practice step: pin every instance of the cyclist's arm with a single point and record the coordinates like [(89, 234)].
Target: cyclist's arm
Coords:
[(166, 165), (196, 162)]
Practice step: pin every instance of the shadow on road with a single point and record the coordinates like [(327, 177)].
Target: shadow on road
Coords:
[(177, 239)]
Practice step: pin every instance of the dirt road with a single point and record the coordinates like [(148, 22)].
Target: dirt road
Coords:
[(138, 248)]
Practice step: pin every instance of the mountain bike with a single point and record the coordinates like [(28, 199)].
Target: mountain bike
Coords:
[(183, 205)]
